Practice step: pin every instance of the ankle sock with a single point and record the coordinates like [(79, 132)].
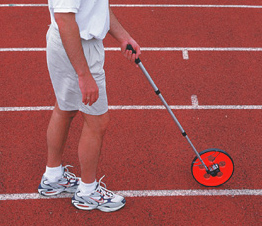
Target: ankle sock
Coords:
[(87, 188), (53, 174)]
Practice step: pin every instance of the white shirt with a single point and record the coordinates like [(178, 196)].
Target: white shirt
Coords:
[(92, 16)]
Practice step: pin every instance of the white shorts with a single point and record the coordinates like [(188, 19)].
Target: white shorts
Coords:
[(65, 80)]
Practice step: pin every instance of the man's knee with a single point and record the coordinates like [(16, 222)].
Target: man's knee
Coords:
[(103, 123), (98, 123)]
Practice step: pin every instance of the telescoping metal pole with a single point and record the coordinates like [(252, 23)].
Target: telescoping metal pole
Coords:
[(139, 63)]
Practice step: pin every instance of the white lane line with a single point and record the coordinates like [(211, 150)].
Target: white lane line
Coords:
[(183, 49), (159, 193), (186, 107), (40, 108), (149, 6), (145, 193), (186, 6), (195, 106), (23, 5), (194, 101), (253, 49), (22, 49)]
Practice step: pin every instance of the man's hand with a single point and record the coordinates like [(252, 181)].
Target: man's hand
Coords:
[(128, 53), (89, 89)]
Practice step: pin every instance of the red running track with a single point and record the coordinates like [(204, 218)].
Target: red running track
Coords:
[(139, 211), (186, 27), (178, 79), (153, 153), (144, 144)]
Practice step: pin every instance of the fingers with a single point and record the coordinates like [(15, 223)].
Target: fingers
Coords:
[(90, 99), (131, 56), (93, 99), (89, 89), (90, 96), (128, 53)]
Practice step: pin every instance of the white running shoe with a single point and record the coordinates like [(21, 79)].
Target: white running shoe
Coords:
[(101, 199), (68, 183)]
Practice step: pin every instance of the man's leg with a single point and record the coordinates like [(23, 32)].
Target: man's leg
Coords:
[(90, 145), (90, 194), (57, 134), (56, 178)]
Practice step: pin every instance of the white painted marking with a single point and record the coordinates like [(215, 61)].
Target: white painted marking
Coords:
[(23, 5), (149, 6), (159, 193), (44, 108), (147, 107), (200, 49), (185, 54), (183, 49), (194, 101), (22, 49), (186, 6), (145, 193)]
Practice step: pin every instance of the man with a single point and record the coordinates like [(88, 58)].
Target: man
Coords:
[(75, 58)]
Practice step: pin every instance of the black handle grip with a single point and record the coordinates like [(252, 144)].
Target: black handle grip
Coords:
[(129, 47)]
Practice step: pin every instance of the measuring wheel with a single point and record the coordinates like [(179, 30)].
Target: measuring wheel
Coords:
[(220, 168), (211, 167)]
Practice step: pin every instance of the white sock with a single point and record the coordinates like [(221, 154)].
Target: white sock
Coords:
[(53, 174), (87, 188)]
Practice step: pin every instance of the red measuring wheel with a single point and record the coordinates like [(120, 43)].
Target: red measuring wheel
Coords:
[(220, 167)]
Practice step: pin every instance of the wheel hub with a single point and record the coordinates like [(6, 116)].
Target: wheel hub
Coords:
[(213, 170)]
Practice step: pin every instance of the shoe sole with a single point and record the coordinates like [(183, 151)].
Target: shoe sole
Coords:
[(108, 210), (82, 206), (49, 193), (53, 193)]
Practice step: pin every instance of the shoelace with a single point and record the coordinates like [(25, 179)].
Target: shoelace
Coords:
[(68, 174), (103, 190)]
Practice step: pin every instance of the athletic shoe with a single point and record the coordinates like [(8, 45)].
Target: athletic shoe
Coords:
[(101, 199), (68, 183)]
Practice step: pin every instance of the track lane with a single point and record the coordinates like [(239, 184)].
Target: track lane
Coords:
[(217, 78), (145, 152), (140, 211), (187, 27), (27, 29)]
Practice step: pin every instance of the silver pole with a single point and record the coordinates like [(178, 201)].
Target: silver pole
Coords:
[(170, 111)]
